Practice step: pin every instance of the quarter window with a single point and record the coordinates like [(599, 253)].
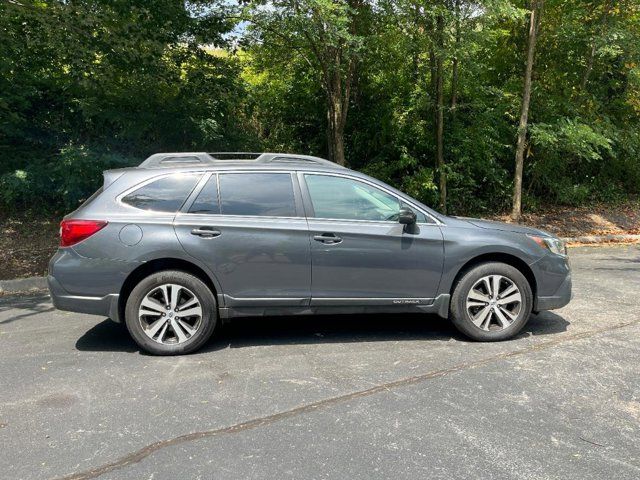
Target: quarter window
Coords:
[(207, 200), (258, 194), (348, 199), (164, 195)]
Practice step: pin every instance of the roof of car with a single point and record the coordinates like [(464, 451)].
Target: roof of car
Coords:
[(233, 159)]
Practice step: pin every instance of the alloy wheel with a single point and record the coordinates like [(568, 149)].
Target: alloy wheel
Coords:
[(494, 302), (170, 314)]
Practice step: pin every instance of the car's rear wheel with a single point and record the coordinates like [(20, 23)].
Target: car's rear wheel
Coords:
[(171, 313), (491, 302)]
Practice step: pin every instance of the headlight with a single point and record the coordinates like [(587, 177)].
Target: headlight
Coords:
[(553, 244)]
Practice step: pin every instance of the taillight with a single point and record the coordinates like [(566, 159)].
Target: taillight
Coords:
[(74, 231)]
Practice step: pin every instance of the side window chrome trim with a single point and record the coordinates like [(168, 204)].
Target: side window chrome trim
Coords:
[(374, 185), (221, 216), (348, 222)]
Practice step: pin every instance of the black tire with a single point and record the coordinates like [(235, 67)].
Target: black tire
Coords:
[(461, 317), (204, 295)]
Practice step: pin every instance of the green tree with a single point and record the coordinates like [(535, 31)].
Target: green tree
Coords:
[(330, 36), (534, 25), (427, 95), (124, 77)]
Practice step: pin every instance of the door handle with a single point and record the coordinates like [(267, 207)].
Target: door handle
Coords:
[(328, 238), (206, 232)]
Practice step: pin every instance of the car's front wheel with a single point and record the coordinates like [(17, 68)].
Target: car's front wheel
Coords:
[(491, 302), (171, 313)]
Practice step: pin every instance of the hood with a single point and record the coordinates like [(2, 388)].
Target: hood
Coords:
[(505, 227)]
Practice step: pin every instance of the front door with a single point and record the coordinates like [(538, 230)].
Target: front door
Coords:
[(360, 254), (248, 228)]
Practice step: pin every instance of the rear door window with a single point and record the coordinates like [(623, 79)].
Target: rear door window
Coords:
[(257, 194), (166, 194)]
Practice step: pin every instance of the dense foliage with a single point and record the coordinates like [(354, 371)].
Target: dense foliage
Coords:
[(87, 85)]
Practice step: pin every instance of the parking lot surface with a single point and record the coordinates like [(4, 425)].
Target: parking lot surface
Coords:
[(357, 397)]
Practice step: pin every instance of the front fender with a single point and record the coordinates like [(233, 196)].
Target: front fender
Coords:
[(464, 244)]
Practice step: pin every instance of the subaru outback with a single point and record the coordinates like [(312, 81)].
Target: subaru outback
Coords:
[(185, 241)]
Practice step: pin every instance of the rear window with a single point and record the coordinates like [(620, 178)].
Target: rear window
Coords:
[(166, 194), (257, 194)]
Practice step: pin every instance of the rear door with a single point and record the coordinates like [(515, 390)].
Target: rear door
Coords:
[(249, 228), (360, 254)]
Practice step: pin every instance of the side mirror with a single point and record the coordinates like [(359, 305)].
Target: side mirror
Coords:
[(406, 216)]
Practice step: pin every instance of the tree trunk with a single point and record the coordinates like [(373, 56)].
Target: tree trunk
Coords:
[(330, 129), (432, 71), (335, 135), (454, 67), (338, 96), (587, 72), (337, 112), (338, 147), (415, 44), (592, 52), (534, 21), (442, 174)]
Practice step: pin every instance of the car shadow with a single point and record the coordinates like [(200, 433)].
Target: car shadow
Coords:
[(107, 336), (318, 329), (304, 330), (544, 323)]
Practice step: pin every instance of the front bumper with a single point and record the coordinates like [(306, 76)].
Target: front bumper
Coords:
[(559, 299)]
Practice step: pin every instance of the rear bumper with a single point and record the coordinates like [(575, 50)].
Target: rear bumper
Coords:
[(87, 285), (559, 299), (106, 306)]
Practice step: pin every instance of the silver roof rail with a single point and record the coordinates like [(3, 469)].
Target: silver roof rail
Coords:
[(235, 155), (159, 160), (293, 158), (178, 159)]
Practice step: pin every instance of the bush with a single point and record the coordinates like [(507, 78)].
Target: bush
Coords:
[(58, 184), (574, 163)]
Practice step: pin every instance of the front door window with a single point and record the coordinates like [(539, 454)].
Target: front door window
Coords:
[(348, 199)]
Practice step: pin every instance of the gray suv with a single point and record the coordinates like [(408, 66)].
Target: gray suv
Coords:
[(187, 240)]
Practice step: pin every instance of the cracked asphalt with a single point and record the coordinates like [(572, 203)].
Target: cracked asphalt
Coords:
[(357, 397)]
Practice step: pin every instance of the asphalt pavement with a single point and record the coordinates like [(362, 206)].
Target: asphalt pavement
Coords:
[(335, 397)]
